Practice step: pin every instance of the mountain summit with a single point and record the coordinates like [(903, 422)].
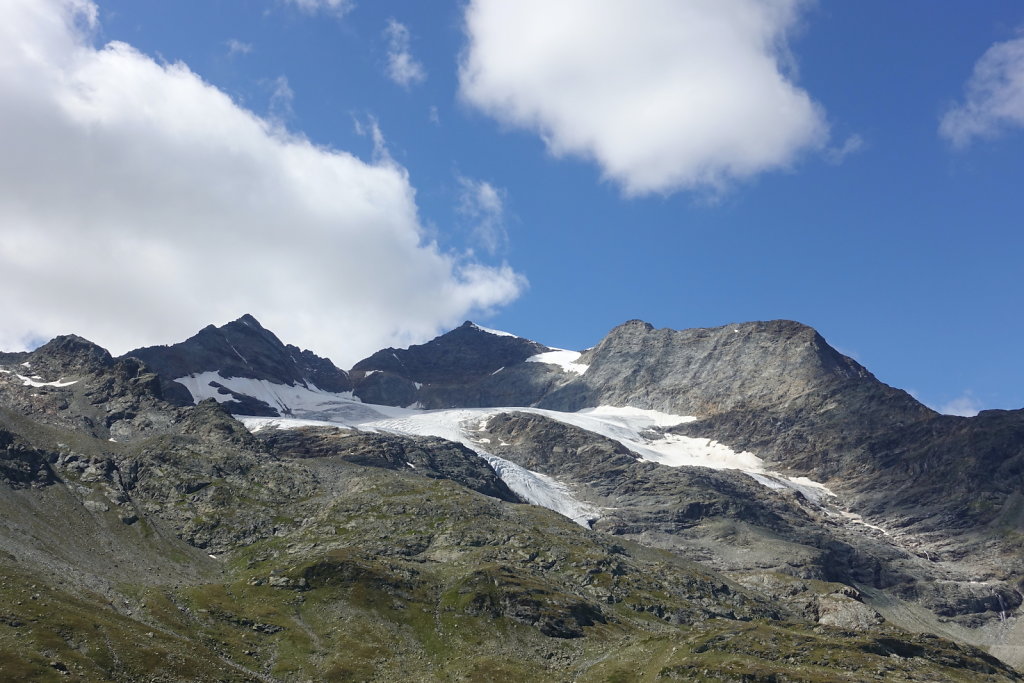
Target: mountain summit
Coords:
[(242, 349)]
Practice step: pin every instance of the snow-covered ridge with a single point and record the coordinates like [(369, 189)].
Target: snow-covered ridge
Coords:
[(562, 358), (497, 333)]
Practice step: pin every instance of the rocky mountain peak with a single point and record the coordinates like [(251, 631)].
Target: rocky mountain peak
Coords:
[(247, 319), (244, 348), (634, 324), (708, 370), (465, 353), (69, 355)]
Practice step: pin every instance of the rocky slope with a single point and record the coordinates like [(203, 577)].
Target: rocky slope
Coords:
[(147, 541), (731, 522)]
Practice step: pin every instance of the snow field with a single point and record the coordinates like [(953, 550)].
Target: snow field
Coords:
[(562, 358)]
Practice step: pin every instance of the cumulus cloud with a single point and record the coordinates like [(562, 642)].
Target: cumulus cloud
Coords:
[(403, 68), (663, 96), (139, 203), (337, 7), (994, 100), (484, 206)]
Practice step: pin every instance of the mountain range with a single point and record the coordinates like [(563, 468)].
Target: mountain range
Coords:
[(737, 503)]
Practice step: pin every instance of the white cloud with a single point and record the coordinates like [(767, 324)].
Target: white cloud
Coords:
[(237, 47), (281, 98), (337, 7), (851, 145), (484, 206), (403, 68), (966, 405), (994, 99), (662, 94), (371, 129), (139, 203)]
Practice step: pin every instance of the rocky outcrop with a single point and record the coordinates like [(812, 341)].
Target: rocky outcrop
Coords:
[(21, 465), (74, 384), (425, 456)]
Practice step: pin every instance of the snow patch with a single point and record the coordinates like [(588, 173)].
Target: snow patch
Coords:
[(809, 489), (36, 381), (857, 519), (244, 359), (300, 401), (496, 333), (562, 358), (638, 419)]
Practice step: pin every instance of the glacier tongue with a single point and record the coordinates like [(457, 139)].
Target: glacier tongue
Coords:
[(540, 489)]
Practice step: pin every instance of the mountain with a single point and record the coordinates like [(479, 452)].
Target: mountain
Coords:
[(468, 366), (736, 503), (241, 349)]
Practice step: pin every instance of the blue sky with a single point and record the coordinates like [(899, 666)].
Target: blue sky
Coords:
[(557, 186)]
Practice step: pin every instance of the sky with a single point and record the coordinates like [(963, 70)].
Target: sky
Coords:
[(360, 175)]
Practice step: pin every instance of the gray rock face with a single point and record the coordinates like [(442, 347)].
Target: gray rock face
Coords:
[(74, 384), (426, 456), (709, 371), (728, 521), (687, 509), (21, 465)]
